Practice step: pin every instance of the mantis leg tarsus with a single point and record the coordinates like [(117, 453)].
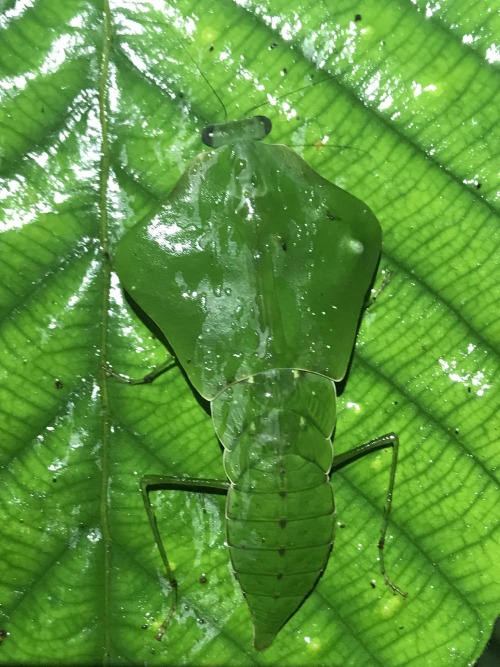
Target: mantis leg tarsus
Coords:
[(387, 440), (156, 483), (377, 291)]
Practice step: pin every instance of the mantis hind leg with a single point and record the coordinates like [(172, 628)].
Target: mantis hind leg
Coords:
[(339, 461), (160, 482), (146, 379)]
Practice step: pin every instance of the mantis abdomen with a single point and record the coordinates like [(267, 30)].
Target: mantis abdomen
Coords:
[(275, 428)]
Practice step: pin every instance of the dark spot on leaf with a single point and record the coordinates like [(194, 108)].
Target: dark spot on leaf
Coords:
[(358, 17), (282, 493), (381, 543), (273, 46), (478, 185), (211, 48), (330, 215), (457, 431), (203, 579), (282, 551), (469, 390), (283, 523), (58, 384), (284, 71), (279, 575), (373, 584), (341, 525), (144, 627)]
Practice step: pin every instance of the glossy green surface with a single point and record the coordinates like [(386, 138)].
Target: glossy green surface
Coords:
[(254, 262), (414, 88)]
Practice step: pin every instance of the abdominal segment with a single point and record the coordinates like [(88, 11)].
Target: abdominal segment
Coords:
[(275, 428)]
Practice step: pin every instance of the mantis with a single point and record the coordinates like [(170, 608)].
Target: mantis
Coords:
[(257, 270)]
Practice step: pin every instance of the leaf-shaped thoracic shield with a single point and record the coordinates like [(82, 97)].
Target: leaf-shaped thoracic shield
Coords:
[(254, 262)]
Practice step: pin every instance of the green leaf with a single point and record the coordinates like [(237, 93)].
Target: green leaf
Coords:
[(101, 111)]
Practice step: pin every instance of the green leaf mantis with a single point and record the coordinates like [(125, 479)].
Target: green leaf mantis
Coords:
[(256, 269)]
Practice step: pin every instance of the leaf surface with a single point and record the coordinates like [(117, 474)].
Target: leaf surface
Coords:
[(101, 111)]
